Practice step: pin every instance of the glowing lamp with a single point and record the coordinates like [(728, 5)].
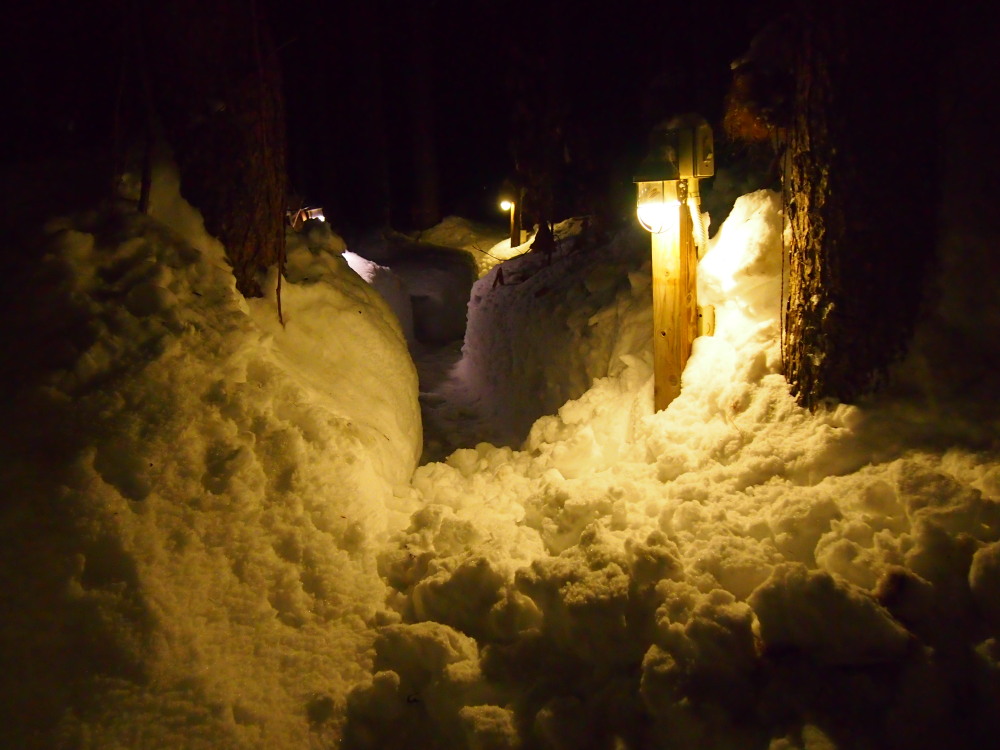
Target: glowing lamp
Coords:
[(657, 204), (506, 205)]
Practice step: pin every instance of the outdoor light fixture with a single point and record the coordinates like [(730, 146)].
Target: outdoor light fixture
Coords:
[(299, 217), (656, 204), (681, 152), (667, 204), (510, 200)]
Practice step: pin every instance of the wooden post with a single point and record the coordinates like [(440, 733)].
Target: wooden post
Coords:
[(675, 306), (515, 219)]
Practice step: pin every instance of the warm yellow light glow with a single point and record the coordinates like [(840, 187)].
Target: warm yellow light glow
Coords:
[(656, 205), (506, 205), (657, 217)]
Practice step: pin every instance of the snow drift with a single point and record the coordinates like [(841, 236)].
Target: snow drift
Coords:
[(213, 534), (193, 494), (732, 572)]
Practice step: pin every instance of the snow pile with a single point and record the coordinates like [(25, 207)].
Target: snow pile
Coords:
[(316, 241), (393, 290), (213, 535), (193, 494), (732, 572), (541, 329), (484, 243)]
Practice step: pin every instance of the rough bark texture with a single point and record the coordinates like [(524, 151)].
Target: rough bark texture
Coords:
[(860, 176), (218, 92)]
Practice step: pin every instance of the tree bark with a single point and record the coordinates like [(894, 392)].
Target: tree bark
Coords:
[(218, 91), (859, 195), (426, 203)]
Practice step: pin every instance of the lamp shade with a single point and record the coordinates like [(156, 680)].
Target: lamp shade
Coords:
[(656, 204)]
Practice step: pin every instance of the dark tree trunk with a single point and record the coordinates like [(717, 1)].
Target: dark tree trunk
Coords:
[(860, 194), (536, 87), (366, 174), (426, 204), (218, 91)]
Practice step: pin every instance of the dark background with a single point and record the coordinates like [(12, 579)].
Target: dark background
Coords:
[(585, 81)]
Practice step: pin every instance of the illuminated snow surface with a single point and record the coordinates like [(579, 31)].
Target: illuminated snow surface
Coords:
[(213, 535)]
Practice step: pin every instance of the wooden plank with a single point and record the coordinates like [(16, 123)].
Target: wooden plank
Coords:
[(675, 307)]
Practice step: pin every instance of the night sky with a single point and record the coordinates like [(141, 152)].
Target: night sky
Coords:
[(598, 75)]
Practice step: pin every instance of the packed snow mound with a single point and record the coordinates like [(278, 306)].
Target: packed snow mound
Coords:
[(309, 259), (194, 493), (731, 572), (480, 240), (542, 328), (392, 288)]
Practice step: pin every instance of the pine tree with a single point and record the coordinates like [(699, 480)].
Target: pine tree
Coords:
[(218, 93), (859, 193)]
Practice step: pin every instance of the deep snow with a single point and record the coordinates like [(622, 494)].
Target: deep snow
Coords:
[(192, 491), (215, 534)]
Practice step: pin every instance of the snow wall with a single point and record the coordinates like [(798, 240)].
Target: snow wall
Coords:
[(193, 495)]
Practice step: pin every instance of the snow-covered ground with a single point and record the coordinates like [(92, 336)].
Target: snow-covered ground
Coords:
[(732, 572), (214, 531), (214, 536)]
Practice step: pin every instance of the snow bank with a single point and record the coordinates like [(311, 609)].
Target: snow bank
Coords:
[(732, 572), (212, 533), (484, 243), (541, 329), (393, 290), (193, 494)]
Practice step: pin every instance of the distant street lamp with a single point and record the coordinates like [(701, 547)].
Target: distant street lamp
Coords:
[(667, 204), (510, 200)]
